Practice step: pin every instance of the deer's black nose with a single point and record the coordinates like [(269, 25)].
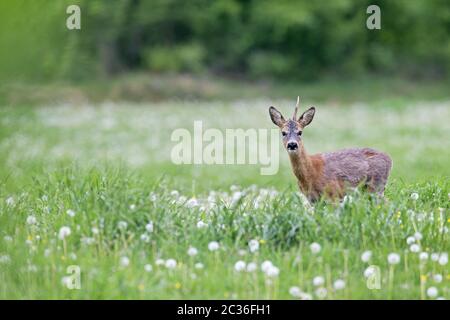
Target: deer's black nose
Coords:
[(292, 146)]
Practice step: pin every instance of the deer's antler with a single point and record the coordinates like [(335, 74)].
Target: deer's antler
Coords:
[(296, 109)]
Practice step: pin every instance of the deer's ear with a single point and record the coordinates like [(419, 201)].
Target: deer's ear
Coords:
[(307, 117), (276, 117)]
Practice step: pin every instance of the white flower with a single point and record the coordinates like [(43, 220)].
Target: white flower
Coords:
[(174, 193), (10, 201), (122, 225), (95, 230), (201, 224), (191, 203), (432, 292), (199, 265), (315, 247), (149, 227), (213, 246), (64, 232), (295, 292), (266, 265), (31, 220), (437, 278), (192, 251), (171, 263), (124, 261), (418, 236), (339, 284), (159, 262), (253, 245), (410, 240), (366, 256), (321, 293), (145, 237), (239, 266), (435, 256), (423, 256), (272, 272), (393, 258), (369, 271), (414, 196), (148, 268), (443, 259), (70, 213), (318, 281), (251, 267), (414, 248), (132, 207)]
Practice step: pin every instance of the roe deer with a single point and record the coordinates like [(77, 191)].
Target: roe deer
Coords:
[(330, 173)]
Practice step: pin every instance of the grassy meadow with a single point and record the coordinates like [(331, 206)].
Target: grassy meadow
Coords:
[(93, 185)]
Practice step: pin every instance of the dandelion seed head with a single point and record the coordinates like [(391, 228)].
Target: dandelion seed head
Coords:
[(192, 251), (239, 266), (31, 220), (253, 245), (414, 248), (213, 246), (410, 240), (149, 227), (339, 284), (124, 261), (318, 281), (171, 263), (432, 292), (148, 268), (315, 247), (414, 196), (70, 213), (201, 224), (366, 256), (295, 292), (199, 265), (443, 259), (437, 278), (251, 267), (418, 236), (393, 258), (64, 232), (423, 256)]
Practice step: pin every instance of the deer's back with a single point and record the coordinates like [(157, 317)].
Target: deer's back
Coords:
[(353, 166)]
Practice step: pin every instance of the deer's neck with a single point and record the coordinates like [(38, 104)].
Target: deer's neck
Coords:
[(303, 167)]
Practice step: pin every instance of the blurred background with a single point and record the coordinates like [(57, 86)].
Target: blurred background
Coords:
[(171, 62)]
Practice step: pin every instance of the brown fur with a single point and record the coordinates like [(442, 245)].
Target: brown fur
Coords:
[(331, 173)]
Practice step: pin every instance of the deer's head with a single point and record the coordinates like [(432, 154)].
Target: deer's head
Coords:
[(292, 129)]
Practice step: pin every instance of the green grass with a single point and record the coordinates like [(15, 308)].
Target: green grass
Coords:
[(110, 163)]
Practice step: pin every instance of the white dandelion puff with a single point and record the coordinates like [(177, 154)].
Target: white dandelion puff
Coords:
[(437, 278), (148, 268), (366, 256), (339, 284), (423, 256), (432, 292), (199, 265), (31, 220), (253, 245), (393, 258), (414, 196), (64, 232), (295, 292), (315, 247), (201, 224), (171, 263), (266, 265), (418, 236), (160, 262), (192, 251), (251, 267), (318, 281), (70, 213), (213, 246), (239, 266), (410, 240), (414, 248), (122, 225), (149, 227), (443, 259), (124, 261), (272, 272)]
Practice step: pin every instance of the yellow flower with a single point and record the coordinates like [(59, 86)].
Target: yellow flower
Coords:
[(423, 277), (30, 237), (177, 285), (262, 241)]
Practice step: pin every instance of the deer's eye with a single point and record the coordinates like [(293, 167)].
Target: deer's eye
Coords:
[(299, 133), (284, 133)]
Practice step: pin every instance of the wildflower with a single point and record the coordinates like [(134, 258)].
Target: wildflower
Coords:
[(443, 259), (159, 262), (366, 256), (435, 256), (171, 263), (437, 278), (70, 213), (64, 232), (122, 225), (393, 258), (266, 265), (10, 202), (132, 207), (149, 227), (253, 245), (251, 267), (315, 247), (414, 248), (31, 220), (272, 272), (414, 196), (95, 230), (199, 265), (239, 266), (295, 292), (432, 292), (192, 251), (191, 203), (423, 256), (418, 236), (148, 268), (124, 261), (145, 237), (321, 293), (213, 246), (410, 240), (201, 224), (318, 281), (339, 284), (369, 271)]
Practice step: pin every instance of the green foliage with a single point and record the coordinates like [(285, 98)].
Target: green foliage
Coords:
[(285, 39)]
